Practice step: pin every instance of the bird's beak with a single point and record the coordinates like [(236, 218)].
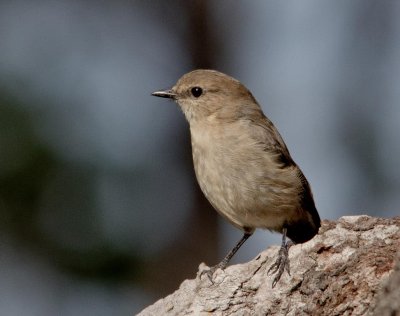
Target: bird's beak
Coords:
[(164, 94)]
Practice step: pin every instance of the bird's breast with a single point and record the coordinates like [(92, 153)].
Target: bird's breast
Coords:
[(240, 179)]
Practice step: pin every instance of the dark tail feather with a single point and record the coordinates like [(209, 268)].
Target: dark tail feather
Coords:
[(307, 226), (304, 229)]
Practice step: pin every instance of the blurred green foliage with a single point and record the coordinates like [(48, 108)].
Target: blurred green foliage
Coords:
[(27, 169)]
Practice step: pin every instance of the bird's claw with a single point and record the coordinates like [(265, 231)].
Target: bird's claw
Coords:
[(210, 272), (281, 264)]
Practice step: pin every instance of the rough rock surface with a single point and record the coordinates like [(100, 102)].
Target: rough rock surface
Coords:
[(344, 270), (388, 300)]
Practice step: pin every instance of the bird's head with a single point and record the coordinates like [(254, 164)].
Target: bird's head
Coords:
[(202, 94)]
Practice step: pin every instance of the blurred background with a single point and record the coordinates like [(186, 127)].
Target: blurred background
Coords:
[(100, 212)]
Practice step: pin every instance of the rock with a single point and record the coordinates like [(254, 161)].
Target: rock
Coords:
[(339, 272)]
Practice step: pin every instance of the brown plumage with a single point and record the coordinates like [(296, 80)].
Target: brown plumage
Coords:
[(242, 163)]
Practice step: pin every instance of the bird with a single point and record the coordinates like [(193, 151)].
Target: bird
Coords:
[(242, 164)]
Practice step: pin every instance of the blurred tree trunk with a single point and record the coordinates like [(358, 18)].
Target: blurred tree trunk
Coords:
[(200, 242)]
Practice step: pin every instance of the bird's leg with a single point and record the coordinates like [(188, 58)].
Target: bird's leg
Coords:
[(228, 257), (282, 262)]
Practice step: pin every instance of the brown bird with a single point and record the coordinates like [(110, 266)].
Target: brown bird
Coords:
[(242, 163)]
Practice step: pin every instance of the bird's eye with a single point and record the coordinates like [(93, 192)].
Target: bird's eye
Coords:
[(196, 91)]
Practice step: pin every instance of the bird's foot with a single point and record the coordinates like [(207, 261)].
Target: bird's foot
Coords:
[(222, 265), (210, 272), (281, 264)]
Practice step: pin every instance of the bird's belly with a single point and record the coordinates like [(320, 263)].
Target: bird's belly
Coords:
[(244, 192)]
